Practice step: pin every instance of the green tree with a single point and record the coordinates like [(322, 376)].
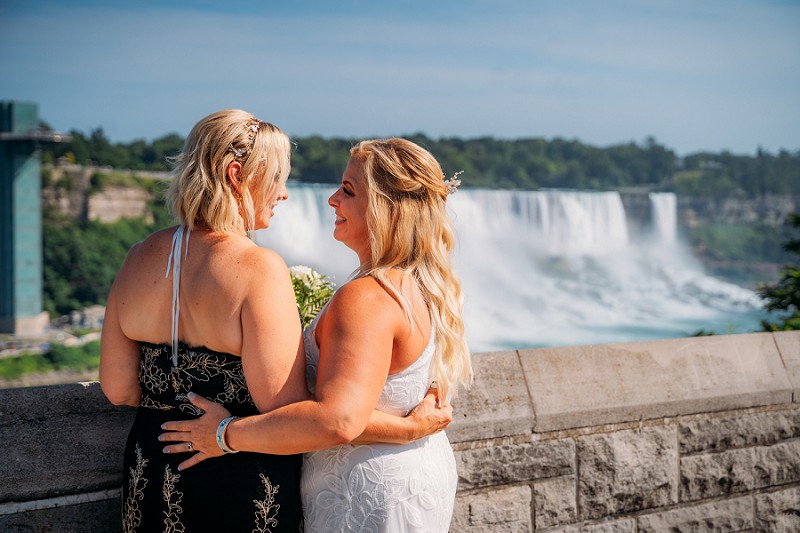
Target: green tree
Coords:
[(527, 163), (784, 296), (81, 259)]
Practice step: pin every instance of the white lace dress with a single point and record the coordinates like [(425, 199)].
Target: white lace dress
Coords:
[(381, 487)]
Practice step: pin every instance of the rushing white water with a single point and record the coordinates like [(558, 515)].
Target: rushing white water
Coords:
[(665, 216), (548, 268)]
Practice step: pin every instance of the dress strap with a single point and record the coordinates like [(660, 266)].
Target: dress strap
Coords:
[(175, 263)]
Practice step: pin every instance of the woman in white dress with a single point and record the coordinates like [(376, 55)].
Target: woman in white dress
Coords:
[(383, 337)]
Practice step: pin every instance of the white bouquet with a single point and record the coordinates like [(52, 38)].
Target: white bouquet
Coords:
[(311, 290)]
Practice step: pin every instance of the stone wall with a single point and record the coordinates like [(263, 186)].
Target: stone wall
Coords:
[(696, 434), (70, 191), (114, 203), (769, 209)]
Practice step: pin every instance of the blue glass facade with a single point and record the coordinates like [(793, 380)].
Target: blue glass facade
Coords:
[(20, 214)]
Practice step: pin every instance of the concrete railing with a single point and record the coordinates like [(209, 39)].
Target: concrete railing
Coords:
[(695, 434)]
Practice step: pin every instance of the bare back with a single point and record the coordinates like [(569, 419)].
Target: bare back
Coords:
[(214, 282), (235, 298)]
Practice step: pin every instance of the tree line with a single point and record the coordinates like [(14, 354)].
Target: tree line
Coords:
[(529, 164)]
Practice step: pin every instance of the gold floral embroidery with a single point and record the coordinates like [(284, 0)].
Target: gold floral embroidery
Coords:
[(194, 366), (172, 521), (150, 403), (267, 509), (132, 515), (198, 366), (151, 377)]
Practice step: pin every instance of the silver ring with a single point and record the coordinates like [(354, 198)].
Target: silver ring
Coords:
[(434, 385), (189, 446)]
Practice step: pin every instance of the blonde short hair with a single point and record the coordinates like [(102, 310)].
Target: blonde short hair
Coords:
[(409, 228), (200, 192)]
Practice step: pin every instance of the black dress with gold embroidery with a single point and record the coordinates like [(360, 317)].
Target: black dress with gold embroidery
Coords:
[(237, 492)]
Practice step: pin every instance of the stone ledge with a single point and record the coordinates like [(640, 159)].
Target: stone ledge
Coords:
[(68, 439), (497, 404), (789, 347), (534, 424), (100, 516), (61, 501), (600, 384)]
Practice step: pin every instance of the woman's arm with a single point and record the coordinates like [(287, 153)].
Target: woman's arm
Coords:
[(427, 418), (356, 343), (273, 360), (119, 355)]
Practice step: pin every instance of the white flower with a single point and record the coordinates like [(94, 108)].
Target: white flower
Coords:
[(303, 272), (312, 290)]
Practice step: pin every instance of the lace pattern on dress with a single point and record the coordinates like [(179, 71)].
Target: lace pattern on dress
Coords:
[(381, 487)]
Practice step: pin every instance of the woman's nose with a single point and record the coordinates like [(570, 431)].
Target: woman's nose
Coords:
[(332, 201), (283, 194)]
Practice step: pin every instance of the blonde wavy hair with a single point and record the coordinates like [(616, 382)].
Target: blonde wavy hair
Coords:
[(409, 228), (200, 192)]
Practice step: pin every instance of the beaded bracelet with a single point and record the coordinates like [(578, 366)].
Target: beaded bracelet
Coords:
[(221, 429)]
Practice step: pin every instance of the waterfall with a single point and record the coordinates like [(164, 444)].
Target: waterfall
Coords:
[(664, 215), (560, 222), (547, 268)]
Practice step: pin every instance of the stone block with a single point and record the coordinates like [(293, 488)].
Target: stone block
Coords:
[(592, 385), (502, 464), (497, 404), (506, 510), (67, 439), (718, 474), (626, 471), (710, 475), (789, 347), (725, 515), (554, 502), (713, 434), (778, 512), (777, 465), (625, 525)]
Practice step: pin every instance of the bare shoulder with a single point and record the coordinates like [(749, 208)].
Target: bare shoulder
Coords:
[(366, 289), (263, 262), (140, 255), (365, 298)]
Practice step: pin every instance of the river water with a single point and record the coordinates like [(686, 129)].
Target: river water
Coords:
[(549, 268)]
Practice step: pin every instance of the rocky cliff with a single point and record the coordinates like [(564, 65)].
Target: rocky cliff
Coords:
[(98, 193)]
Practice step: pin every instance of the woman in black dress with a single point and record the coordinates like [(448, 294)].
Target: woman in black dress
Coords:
[(200, 307)]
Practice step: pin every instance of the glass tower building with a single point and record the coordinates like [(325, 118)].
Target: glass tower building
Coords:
[(21, 218)]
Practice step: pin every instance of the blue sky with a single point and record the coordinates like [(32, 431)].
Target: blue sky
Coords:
[(695, 74)]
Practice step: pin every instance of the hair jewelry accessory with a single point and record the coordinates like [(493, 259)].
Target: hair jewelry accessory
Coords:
[(453, 183), (252, 128), (221, 429)]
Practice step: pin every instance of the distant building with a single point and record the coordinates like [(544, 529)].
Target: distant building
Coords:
[(88, 318), (21, 218)]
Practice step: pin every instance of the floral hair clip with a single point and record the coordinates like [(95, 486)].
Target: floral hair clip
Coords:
[(238, 153), (453, 183), (252, 128)]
